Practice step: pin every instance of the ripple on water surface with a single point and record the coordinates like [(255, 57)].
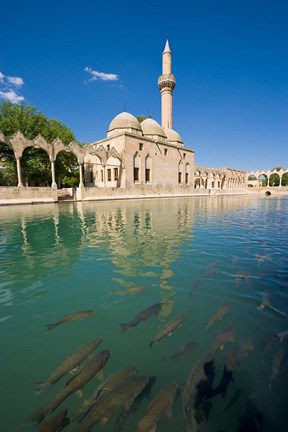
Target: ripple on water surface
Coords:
[(221, 261)]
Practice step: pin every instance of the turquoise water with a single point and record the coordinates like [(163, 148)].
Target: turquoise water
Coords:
[(191, 254)]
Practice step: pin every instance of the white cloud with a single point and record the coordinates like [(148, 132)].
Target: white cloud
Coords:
[(1, 77), (11, 96), (17, 81), (101, 75)]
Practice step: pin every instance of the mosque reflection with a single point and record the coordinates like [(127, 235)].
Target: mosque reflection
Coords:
[(141, 238)]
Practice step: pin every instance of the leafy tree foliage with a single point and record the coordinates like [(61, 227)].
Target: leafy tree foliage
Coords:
[(35, 164), (140, 118)]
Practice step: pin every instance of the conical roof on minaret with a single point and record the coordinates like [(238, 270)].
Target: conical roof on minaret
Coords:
[(167, 47)]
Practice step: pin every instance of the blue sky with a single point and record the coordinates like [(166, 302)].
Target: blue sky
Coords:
[(230, 60)]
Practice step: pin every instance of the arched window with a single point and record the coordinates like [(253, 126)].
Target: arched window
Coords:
[(187, 173), (180, 173), (148, 172), (136, 166)]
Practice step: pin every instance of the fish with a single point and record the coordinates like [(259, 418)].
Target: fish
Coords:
[(245, 345), (159, 406), (266, 299), (132, 290), (281, 335), (168, 328), (56, 423), (76, 383), (122, 396), (196, 376), (223, 337), (184, 350), (195, 286), (69, 364), (219, 314), (236, 396), (124, 414), (71, 317), (276, 364), (104, 388), (142, 316)]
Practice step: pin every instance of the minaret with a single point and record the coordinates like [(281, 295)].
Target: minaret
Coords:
[(166, 84)]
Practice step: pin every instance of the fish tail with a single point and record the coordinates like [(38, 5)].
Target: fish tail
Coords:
[(151, 344), (51, 326), (39, 415)]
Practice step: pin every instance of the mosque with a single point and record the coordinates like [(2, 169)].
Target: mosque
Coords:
[(143, 154), (146, 155), (135, 159)]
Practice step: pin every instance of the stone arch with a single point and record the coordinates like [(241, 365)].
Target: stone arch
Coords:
[(94, 171), (274, 179), (70, 160), (263, 179), (36, 177), (284, 179)]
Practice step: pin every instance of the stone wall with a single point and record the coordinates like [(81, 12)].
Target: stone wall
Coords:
[(27, 195)]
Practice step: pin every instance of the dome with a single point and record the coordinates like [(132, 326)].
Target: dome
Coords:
[(151, 127), (124, 120), (173, 136)]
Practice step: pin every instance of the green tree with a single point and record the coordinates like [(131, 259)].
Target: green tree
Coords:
[(35, 163), (140, 118)]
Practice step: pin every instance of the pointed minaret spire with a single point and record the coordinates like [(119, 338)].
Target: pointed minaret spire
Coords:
[(167, 47), (166, 84)]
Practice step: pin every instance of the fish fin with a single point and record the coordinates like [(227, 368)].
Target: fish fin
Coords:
[(40, 387), (79, 392), (100, 375), (74, 370)]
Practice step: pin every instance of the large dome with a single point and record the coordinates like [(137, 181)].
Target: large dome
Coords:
[(151, 127), (124, 120), (173, 136)]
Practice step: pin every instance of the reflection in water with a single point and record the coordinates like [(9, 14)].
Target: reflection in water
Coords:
[(203, 257)]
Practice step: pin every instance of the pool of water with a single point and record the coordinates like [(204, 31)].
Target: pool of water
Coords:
[(192, 255)]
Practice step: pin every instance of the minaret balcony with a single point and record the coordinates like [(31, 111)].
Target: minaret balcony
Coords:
[(166, 81)]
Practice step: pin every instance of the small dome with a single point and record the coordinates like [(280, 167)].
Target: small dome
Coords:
[(151, 127), (124, 120), (173, 136)]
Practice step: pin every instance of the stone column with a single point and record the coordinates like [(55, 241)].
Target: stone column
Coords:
[(54, 184), (80, 176), (19, 171)]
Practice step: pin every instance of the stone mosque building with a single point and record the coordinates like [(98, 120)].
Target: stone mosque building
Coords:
[(147, 155), (135, 159), (143, 154)]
